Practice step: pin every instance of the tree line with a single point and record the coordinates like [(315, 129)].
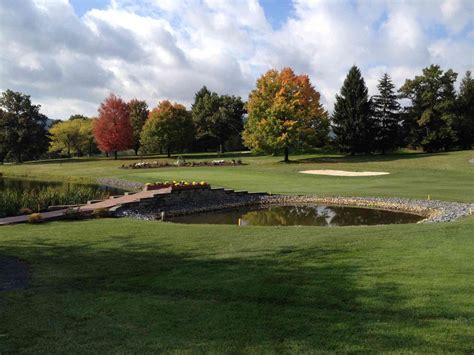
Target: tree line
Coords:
[(283, 114)]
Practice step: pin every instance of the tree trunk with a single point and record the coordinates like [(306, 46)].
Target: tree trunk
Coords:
[(286, 155), (221, 148), (68, 152), (136, 151), (169, 152), (106, 154), (115, 155)]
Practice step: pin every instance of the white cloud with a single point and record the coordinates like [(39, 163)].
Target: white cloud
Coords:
[(160, 49)]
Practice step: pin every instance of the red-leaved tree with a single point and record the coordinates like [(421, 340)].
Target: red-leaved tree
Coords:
[(113, 130)]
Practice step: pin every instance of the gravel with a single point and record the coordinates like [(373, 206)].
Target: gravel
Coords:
[(121, 184)]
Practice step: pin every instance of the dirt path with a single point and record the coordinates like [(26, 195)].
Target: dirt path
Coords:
[(13, 273)]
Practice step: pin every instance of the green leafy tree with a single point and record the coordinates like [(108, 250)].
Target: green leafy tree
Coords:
[(72, 136), (169, 127), (386, 112), (23, 132), (138, 115), (284, 112), (464, 123), (217, 118), (431, 115), (352, 121)]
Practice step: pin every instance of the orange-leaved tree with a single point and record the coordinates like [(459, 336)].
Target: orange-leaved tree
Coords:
[(284, 112), (113, 130)]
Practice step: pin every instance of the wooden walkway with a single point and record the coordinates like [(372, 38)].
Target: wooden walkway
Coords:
[(109, 203)]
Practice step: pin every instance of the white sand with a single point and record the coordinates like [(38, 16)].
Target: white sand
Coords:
[(343, 173)]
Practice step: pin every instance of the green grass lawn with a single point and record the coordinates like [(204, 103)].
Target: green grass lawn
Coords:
[(123, 286), (444, 176)]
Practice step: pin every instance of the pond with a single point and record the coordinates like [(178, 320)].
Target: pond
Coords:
[(299, 215)]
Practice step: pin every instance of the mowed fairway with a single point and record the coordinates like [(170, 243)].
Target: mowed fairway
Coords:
[(121, 285)]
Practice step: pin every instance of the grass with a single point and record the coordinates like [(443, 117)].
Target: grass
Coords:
[(443, 176), (134, 286), (124, 286)]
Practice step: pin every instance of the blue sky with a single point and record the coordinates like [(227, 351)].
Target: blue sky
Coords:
[(74, 53)]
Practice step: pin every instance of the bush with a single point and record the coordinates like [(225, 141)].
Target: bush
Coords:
[(35, 218), (73, 213), (102, 213), (24, 211)]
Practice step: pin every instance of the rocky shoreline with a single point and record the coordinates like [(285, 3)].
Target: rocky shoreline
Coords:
[(434, 211), (121, 184)]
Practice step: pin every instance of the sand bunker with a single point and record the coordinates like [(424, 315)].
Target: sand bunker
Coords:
[(344, 173)]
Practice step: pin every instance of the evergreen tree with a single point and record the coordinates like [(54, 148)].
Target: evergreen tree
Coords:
[(138, 115), (23, 132), (386, 113), (431, 115), (352, 122), (464, 124)]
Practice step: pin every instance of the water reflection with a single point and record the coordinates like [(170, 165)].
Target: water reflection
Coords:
[(312, 215)]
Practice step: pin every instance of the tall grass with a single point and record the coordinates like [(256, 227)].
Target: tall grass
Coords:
[(36, 200)]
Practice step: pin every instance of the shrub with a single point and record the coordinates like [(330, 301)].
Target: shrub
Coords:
[(25, 210), (102, 213), (35, 218)]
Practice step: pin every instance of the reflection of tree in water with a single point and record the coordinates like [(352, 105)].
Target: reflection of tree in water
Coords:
[(289, 215), (300, 215), (346, 216)]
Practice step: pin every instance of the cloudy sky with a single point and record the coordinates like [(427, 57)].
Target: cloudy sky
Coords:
[(69, 55)]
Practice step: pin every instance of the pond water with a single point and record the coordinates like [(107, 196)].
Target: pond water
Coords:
[(307, 215), (23, 184)]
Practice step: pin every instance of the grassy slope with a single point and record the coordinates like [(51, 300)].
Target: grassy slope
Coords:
[(134, 286), (444, 176)]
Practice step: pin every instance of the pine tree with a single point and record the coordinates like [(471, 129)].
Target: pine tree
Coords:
[(352, 122), (432, 112), (464, 123), (386, 113)]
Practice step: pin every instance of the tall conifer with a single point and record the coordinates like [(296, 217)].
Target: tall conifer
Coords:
[(351, 119), (386, 113)]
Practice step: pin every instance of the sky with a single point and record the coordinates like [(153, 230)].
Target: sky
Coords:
[(70, 55)]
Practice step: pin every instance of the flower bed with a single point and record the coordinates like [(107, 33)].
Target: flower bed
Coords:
[(180, 164), (176, 185)]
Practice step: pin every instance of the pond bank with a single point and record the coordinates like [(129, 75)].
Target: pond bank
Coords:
[(220, 199)]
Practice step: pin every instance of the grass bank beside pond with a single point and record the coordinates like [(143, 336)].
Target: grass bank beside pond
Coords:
[(123, 286), (443, 176)]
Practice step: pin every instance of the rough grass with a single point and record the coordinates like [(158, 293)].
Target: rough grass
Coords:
[(124, 286)]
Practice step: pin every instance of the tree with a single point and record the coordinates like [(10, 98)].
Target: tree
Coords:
[(432, 111), (353, 124), (284, 112), (386, 112), (23, 133), (217, 118), (65, 136), (75, 135), (112, 130), (138, 115), (169, 126), (464, 124)]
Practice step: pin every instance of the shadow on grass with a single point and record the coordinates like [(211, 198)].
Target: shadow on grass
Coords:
[(366, 158), (141, 297)]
